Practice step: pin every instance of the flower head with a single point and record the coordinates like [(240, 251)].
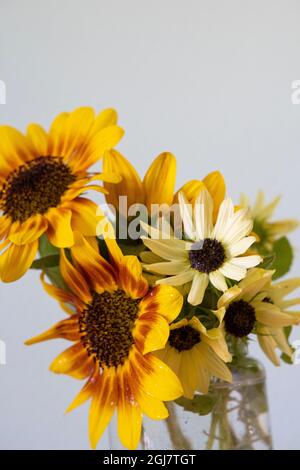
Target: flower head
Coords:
[(267, 230), (42, 179), (115, 323), (195, 354), (255, 305), (210, 252)]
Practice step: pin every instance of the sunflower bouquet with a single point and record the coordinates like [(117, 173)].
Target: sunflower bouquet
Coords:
[(161, 290)]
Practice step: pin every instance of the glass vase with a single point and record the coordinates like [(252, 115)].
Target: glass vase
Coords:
[(236, 419)]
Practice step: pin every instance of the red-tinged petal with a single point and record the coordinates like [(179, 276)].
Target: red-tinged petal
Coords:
[(66, 329), (96, 269), (104, 401), (74, 361), (131, 279), (74, 279), (163, 300)]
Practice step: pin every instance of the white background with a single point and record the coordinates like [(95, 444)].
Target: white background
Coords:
[(209, 81)]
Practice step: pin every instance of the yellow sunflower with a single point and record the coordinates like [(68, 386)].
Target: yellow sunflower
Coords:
[(257, 306), (116, 325), (266, 229), (42, 178), (195, 354), (158, 185)]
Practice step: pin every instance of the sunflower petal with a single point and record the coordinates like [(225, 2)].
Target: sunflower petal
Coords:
[(60, 231), (159, 181), (85, 217), (129, 413), (16, 260), (103, 405), (38, 138), (163, 300), (131, 278), (216, 186), (94, 266), (74, 280), (130, 184), (66, 329), (28, 231), (74, 361)]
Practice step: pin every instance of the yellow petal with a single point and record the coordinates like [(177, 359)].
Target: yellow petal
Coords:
[(103, 405), (151, 406), (60, 231), (267, 344), (16, 260), (74, 280), (74, 361), (56, 135), (151, 332), (38, 138), (85, 393), (61, 295), (85, 216), (159, 181), (191, 190), (96, 269), (187, 373), (158, 380), (106, 118), (131, 279), (28, 231), (130, 184), (129, 414), (15, 149), (76, 132), (66, 329), (270, 315), (104, 140), (164, 300), (215, 184)]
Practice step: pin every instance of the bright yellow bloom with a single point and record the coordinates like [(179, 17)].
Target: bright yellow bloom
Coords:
[(210, 253), (195, 354), (266, 230), (117, 322), (257, 306), (158, 185), (42, 178)]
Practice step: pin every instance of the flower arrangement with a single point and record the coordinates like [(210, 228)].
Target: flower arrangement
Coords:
[(163, 292)]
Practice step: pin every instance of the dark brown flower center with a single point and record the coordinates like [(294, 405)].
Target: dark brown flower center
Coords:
[(239, 318), (207, 255), (35, 187), (106, 327), (184, 338), (268, 300)]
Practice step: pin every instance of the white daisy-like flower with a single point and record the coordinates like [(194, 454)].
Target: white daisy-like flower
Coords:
[(209, 253)]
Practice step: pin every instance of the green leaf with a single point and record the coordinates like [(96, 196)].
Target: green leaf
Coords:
[(268, 261), (45, 262), (284, 257), (287, 331), (200, 404), (285, 358), (46, 248)]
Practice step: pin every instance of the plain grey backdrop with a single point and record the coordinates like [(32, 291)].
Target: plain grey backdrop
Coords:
[(208, 80)]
